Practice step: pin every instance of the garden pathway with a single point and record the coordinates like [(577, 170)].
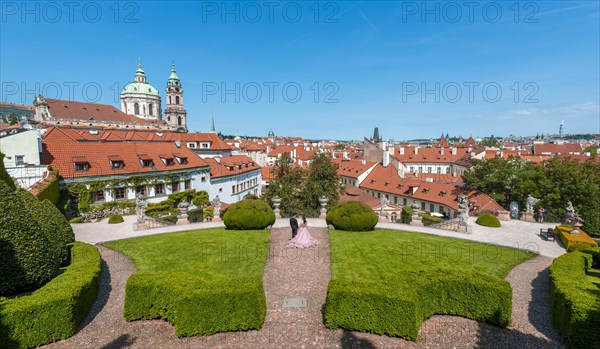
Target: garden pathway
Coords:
[(306, 273)]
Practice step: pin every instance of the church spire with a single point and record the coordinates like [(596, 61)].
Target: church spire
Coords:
[(212, 128)]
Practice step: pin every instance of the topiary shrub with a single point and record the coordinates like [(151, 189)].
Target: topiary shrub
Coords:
[(169, 219), (4, 176), (406, 215), (398, 306), (115, 219), (29, 254), (196, 215), (249, 215), (352, 216), (488, 220), (54, 311), (578, 246), (428, 219), (574, 299)]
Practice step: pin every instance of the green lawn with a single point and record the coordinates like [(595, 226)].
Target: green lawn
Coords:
[(372, 256), (211, 254)]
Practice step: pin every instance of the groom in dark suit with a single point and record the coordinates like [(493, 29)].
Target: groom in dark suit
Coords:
[(294, 225)]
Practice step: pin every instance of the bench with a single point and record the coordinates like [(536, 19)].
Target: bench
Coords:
[(548, 234)]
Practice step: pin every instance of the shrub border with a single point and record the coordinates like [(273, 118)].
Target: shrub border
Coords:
[(575, 311), (54, 311)]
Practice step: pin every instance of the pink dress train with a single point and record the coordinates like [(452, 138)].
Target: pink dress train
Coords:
[(303, 239)]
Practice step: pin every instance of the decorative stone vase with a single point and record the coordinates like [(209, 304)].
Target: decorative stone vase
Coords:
[(276, 202), (323, 201)]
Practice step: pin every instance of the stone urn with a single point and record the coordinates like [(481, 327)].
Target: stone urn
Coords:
[(276, 203), (323, 201), (183, 208)]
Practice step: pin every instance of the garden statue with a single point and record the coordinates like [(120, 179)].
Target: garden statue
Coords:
[(572, 218), (216, 202), (529, 204), (140, 207), (415, 206), (514, 210), (382, 203), (463, 207)]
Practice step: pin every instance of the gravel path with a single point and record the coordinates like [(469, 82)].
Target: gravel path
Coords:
[(306, 273)]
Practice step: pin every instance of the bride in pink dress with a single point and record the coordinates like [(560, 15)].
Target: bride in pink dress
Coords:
[(303, 238)]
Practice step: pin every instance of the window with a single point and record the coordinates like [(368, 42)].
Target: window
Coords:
[(220, 190), (431, 208), (395, 199), (81, 167), (150, 109), (403, 201), (117, 165), (423, 206), (170, 100), (205, 145), (174, 186), (19, 160), (188, 184), (140, 189), (439, 170), (169, 162), (191, 145), (183, 161), (147, 163), (233, 189), (412, 169), (379, 195), (428, 169), (159, 189), (136, 109), (203, 179), (120, 193), (179, 121), (98, 195), (447, 170), (176, 99), (420, 169)]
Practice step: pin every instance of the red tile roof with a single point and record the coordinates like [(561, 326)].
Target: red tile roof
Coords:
[(555, 149), (231, 165), (61, 152), (428, 155), (61, 109), (20, 106), (353, 168), (352, 193)]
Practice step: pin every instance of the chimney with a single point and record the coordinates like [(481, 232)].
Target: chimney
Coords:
[(386, 158), (268, 149), (417, 150), (442, 151), (178, 144), (454, 150), (401, 150), (345, 154), (363, 161), (392, 150)]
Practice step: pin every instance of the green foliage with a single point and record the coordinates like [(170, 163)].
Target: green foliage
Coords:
[(60, 231), (172, 218), (489, 142), (398, 306), (406, 215), (592, 150), (301, 189), (195, 306), (196, 280), (200, 199), (12, 119), (196, 215), (115, 219), (160, 209), (428, 219), (250, 197), (555, 182), (4, 176), (389, 281), (54, 311), (352, 216), (488, 220), (575, 300), (249, 215), (76, 220), (578, 246), (568, 239), (29, 253)]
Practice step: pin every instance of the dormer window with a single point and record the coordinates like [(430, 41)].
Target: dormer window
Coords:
[(387, 184), (372, 181), (117, 165), (169, 162), (146, 160), (183, 161), (82, 166)]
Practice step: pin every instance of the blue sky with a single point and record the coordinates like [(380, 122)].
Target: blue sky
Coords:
[(415, 69)]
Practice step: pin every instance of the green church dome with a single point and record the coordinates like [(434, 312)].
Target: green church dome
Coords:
[(140, 85)]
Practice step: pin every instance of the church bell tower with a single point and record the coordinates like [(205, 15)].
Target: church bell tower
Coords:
[(175, 114)]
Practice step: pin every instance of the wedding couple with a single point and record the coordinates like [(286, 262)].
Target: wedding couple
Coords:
[(300, 237)]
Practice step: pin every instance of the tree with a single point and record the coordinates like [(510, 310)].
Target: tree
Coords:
[(591, 150), (301, 189), (490, 142), (12, 119)]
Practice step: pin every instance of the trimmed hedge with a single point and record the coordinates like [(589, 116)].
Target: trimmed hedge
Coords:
[(194, 306), (54, 311), (352, 216), (195, 215), (29, 253), (398, 307), (488, 220), (4, 176), (406, 214), (115, 219), (48, 189), (249, 215), (568, 239), (428, 219), (76, 220), (575, 300)]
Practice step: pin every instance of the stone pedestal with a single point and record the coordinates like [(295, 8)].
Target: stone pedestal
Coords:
[(417, 221), (527, 217), (277, 213), (323, 213), (216, 219), (181, 220)]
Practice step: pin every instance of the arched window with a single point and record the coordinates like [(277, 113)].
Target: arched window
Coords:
[(170, 100), (136, 109), (176, 99), (150, 109), (179, 121)]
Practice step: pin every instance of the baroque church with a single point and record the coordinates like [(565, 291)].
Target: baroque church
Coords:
[(141, 108)]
